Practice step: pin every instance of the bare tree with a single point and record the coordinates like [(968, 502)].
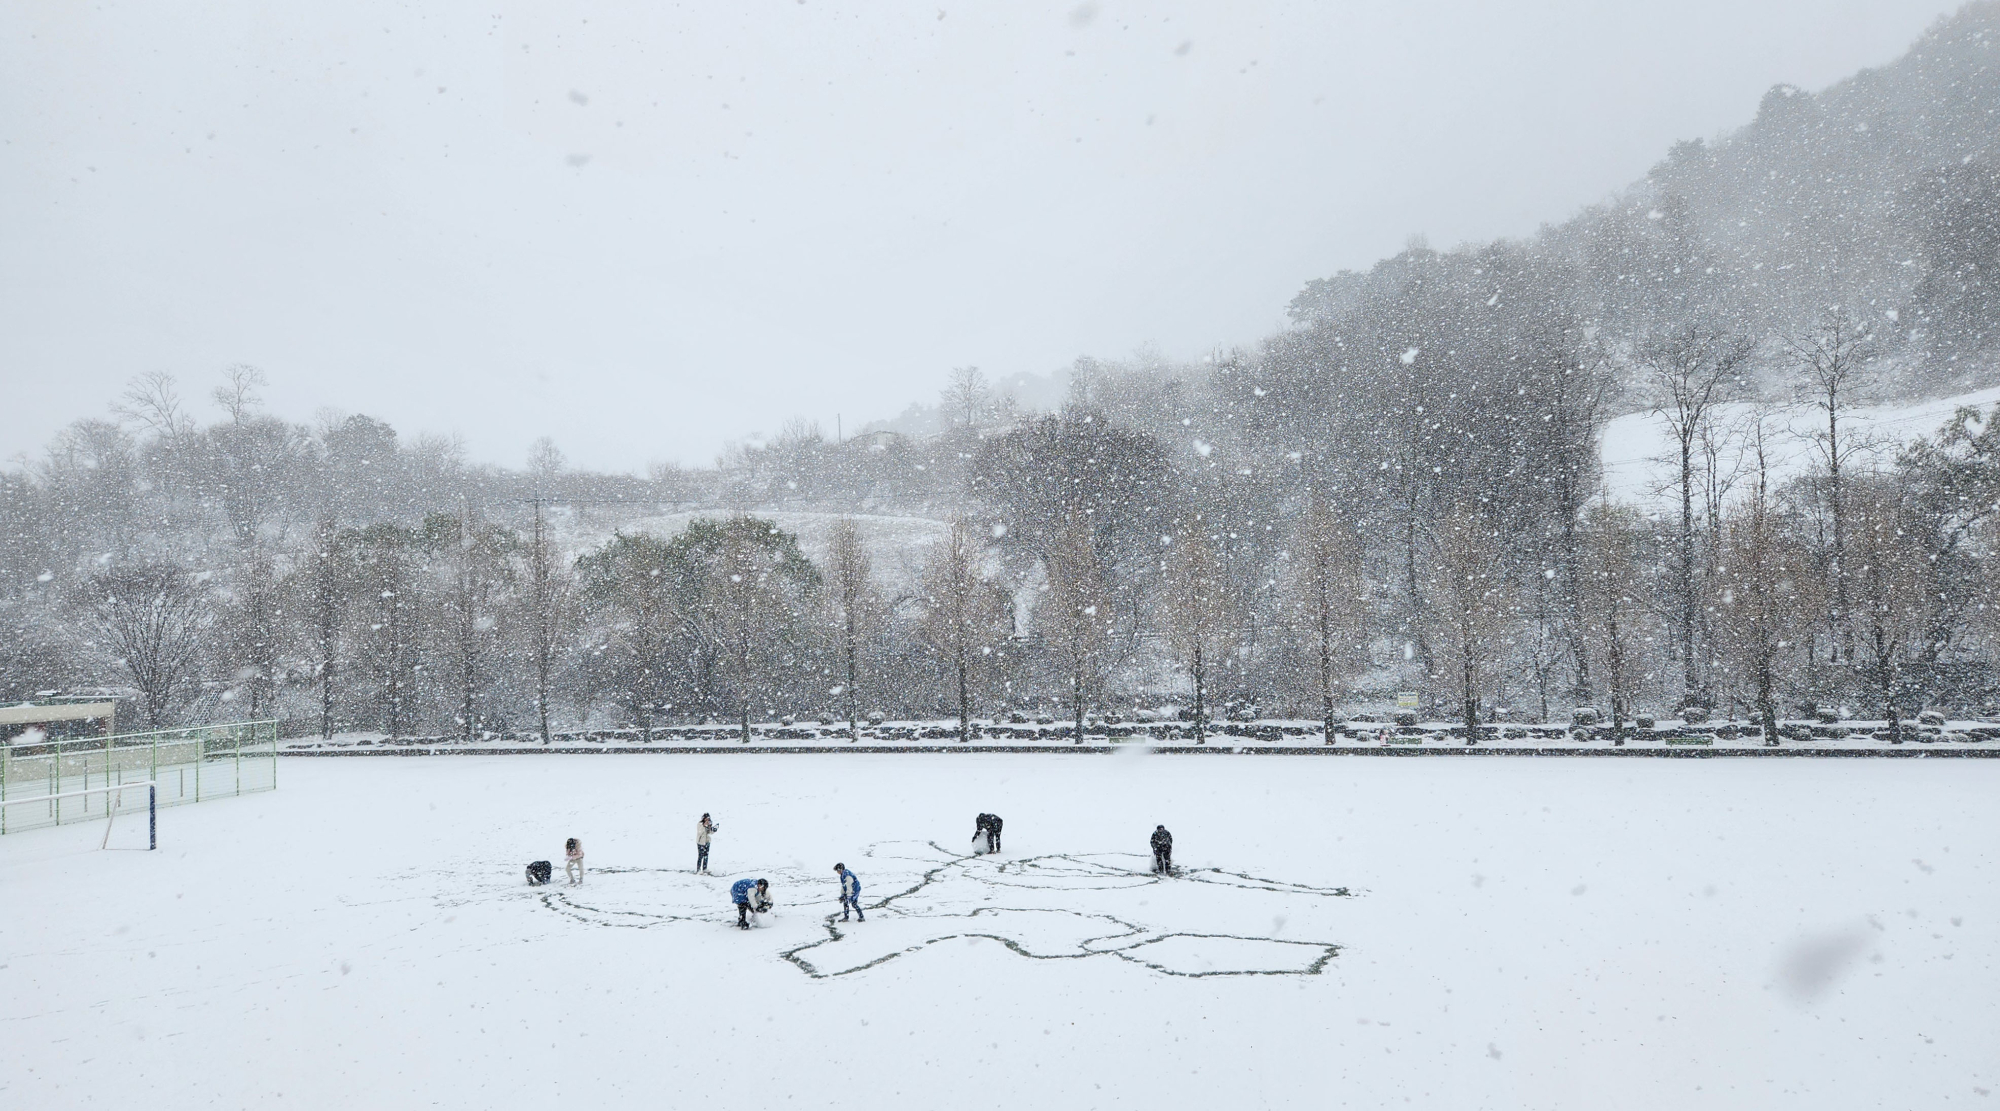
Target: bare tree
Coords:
[(548, 587), (383, 565), (1831, 357), (545, 466), (237, 395), (1075, 614), (1329, 595), (966, 396), (1890, 572), (256, 625), (152, 400), (470, 557), (550, 611), (156, 618), (1765, 594), (326, 574), (961, 613), (1609, 600), (1470, 606), (1200, 621), (1693, 369), (851, 590), (1571, 384)]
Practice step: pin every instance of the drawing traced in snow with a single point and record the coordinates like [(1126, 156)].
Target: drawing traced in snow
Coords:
[(1053, 907)]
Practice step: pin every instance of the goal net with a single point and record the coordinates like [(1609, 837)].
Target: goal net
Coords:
[(57, 782), (131, 810)]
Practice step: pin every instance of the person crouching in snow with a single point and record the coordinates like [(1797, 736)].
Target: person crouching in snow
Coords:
[(1163, 850), (752, 896), (850, 893), (573, 860)]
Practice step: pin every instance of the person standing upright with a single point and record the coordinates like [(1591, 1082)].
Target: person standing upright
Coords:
[(573, 861), (850, 893), (703, 830), (1163, 850)]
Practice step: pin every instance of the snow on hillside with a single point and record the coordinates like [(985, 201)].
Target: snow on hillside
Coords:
[(1636, 446), (896, 544)]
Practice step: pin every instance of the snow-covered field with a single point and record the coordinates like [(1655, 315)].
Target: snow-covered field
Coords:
[(1551, 933)]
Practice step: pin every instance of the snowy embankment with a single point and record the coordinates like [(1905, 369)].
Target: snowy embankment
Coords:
[(1637, 446), (1562, 934), (896, 545), (1672, 738)]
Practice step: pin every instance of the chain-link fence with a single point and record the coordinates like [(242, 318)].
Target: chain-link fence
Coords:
[(187, 765)]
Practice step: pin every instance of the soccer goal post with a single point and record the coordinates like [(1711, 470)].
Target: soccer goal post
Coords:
[(87, 804)]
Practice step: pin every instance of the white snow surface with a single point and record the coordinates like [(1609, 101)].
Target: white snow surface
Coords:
[(1518, 933), (1636, 446)]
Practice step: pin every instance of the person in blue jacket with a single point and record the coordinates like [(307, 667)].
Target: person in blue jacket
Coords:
[(750, 895), (850, 893)]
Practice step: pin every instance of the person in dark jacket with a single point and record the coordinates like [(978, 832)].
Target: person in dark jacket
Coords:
[(850, 893), (1163, 850), (987, 826), (751, 896)]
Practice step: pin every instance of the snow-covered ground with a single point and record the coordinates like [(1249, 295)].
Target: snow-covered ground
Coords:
[(1515, 934), (1635, 445)]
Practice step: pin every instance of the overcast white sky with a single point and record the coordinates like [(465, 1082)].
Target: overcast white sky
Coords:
[(646, 228)]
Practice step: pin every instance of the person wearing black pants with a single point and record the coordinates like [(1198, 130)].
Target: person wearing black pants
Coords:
[(987, 826), (1163, 850), (703, 830)]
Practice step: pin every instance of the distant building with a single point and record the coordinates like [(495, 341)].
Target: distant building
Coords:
[(57, 721)]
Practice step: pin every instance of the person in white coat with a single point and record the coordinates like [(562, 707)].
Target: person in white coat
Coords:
[(703, 830)]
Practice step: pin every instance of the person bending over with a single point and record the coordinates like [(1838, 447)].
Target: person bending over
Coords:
[(988, 827), (1163, 850), (573, 861), (752, 897)]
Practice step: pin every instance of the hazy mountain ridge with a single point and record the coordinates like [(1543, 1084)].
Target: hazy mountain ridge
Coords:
[(1880, 191)]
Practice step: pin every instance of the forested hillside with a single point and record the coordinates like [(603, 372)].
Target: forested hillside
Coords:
[(1404, 490)]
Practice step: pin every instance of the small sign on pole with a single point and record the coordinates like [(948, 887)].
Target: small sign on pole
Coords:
[(1406, 700)]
